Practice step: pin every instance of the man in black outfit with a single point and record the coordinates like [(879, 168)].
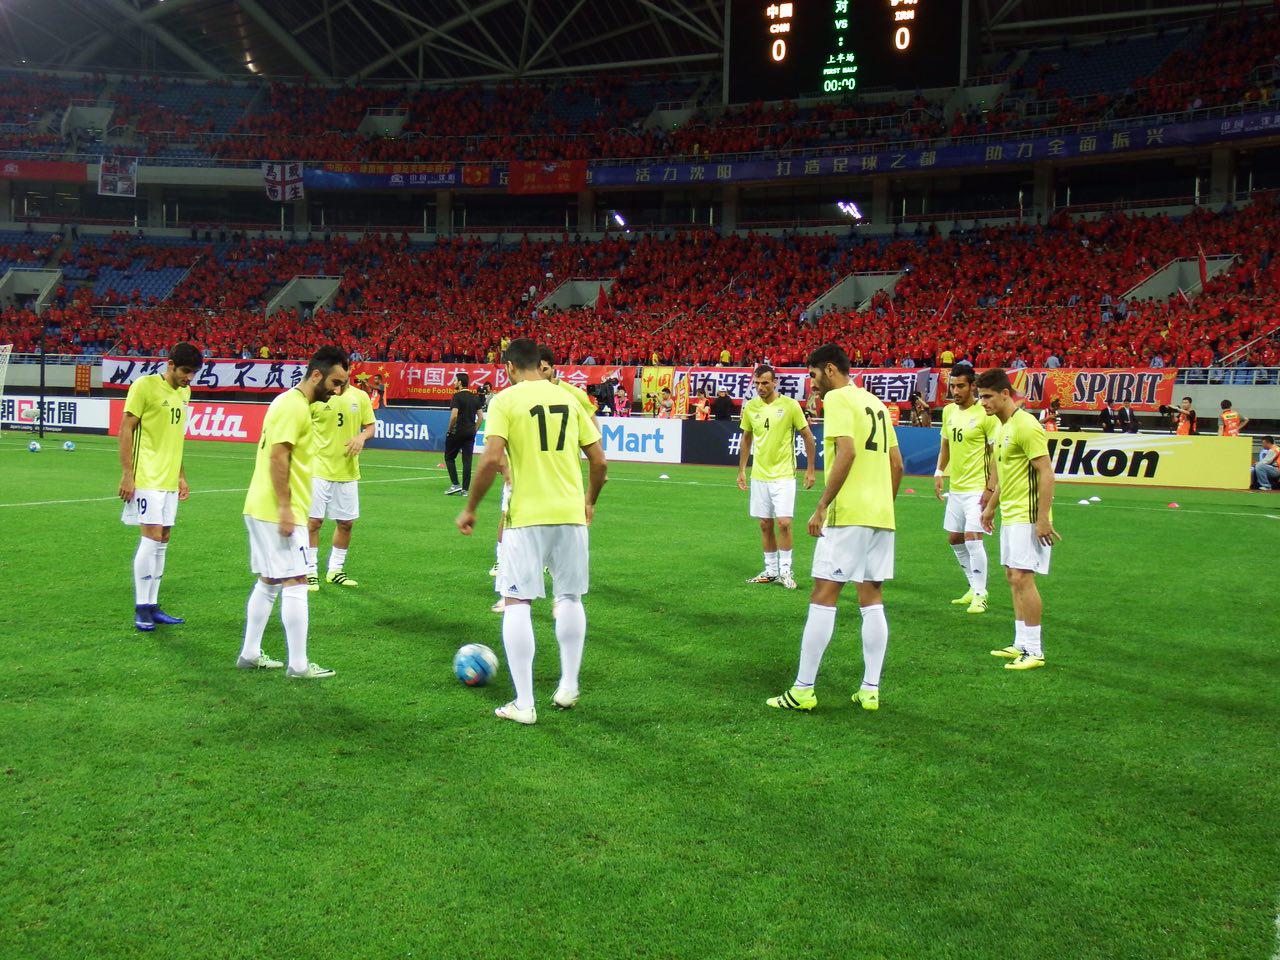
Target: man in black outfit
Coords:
[(722, 406), (461, 435)]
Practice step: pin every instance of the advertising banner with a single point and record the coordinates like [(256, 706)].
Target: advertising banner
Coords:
[(719, 442), (410, 428), (254, 376), (1144, 390), (118, 177), (430, 381), (641, 439), (212, 420), (890, 385), (59, 171), (546, 176), (1152, 460), (380, 176), (61, 414)]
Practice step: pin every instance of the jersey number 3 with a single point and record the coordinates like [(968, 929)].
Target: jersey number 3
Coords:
[(560, 410)]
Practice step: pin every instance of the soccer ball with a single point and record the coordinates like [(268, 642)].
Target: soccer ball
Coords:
[(475, 664), (33, 447), (68, 446)]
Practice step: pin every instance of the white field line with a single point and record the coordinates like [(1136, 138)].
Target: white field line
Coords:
[(45, 503)]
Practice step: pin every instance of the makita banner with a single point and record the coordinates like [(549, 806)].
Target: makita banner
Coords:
[(720, 442), (1089, 388), (61, 414), (253, 376), (1152, 460), (212, 420), (430, 381)]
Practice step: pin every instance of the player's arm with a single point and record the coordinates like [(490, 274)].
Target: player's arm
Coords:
[(895, 468), (991, 497), (453, 418), (356, 443), (597, 475), (128, 424), (837, 474), (744, 456), (1244, 422), (495, 449), (184, 491), (811, 456), (940, 472), (281, 459), (1044, 480)]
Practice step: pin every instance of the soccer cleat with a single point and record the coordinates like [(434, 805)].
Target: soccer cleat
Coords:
[(563, 700), (493, 571), (794, 699), (965, 600), (763, 576), (340, 579), (1025, 662), (979, 604), (787, 580), (1009, 653), (453, 490), (867, 699), (313, 672), (260, 662), (509, 711), (159, 616), (499, 606), (142, 621), (313, 584)]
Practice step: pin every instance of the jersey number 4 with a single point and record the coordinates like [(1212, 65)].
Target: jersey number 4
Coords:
[(560, 410), (884, 429)]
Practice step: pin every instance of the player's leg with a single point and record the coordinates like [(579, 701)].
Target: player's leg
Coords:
[(262, 600), (953, 522), (1022, 584), (762, 510), (977, 551), (819, 626), (468, 449), (338, 554), (161, 549), (451, 450), (569, 564), (520, 582), (875, 643), (321, 492), (783, 495), (144, 567)]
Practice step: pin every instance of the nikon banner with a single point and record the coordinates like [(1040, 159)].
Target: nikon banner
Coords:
[(1153, 460)]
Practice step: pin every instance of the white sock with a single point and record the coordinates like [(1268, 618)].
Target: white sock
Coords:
[(262, 598), (771, 563), (296, 617), (977, 564), (784, 561), (1019, 635), (875, 641), (337, 559), (1031, 640), (497, 552), (312, 556), (818, 627), (962, 557), (571, 634), (144, 569), (517, 640), (158, 573)]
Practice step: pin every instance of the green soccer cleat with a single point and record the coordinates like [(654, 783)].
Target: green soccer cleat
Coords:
[(1025, 662), (1009, 653), (340, 579), (979, 604), (797, 698), (313, 672), (963, 601), (867, 699), (313, 584), (260, 662)]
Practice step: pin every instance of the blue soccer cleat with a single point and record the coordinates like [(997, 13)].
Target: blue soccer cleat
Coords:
[(159, 616), (142, 619)]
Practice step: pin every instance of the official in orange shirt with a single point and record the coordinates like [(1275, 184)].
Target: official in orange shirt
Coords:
[(1232, 421)]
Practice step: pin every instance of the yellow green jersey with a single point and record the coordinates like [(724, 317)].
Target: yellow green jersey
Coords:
[(1019, 440), (288, 420), (339, 420), (969, 433), (579, 396), (773, 428), (545, 434), (866, 499), (158, 438)]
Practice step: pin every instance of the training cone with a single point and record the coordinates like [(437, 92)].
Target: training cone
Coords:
[(1083, 503), (663, 476), (1173, 506), (1095, 499), (910, 490), (439, 466)]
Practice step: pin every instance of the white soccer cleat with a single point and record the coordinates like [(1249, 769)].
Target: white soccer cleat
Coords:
[(313, 672), (565, 700), (764, 576), (787, 580), (260, 662), (509, 711)]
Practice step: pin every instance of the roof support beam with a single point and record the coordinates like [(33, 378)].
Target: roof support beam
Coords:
[(564, 22), (282, 36), (693, 26), (457, 48), (441, 31), (497, 47), (162, 36), (579, 69), (1138, 14)]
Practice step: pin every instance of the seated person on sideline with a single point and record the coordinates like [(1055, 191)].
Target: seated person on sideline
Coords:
[(1266, 472)]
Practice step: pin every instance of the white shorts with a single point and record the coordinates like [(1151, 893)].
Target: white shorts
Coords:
[(273, 556), (1021, 549), (773, 498), (854, 554), (506, 499), (335, 499), (562, 548), (963, 514), (151, 508)]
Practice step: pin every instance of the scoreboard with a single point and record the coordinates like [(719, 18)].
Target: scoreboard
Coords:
[(782, 50)]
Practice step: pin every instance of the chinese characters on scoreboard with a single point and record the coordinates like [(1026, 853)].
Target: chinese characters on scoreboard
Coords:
[(779, 16)]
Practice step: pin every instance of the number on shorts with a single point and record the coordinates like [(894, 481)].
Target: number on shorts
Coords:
[(558, 409), (884, 429), (142, 505)]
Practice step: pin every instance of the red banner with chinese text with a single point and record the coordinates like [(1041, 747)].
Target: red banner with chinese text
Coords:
[(547, 176), (56, 170), (430, 381)]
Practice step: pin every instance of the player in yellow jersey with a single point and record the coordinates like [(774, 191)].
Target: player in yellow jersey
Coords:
[(1024, 493), (547, 368), (274, 508), (772, 422), (343, 425), (543, 434), (968, 433), (153, 431), (854, 522)]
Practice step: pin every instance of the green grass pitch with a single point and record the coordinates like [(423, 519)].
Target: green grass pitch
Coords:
[(157, 803)]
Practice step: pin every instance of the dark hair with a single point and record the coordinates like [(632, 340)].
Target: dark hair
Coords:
[(994, 379), (666, 389), (185, 355), (830, 353), (964, 372), (1268, 439), (464, 380), (1226, 404), (764, 368), (326, 358), (546, 356), (1187, 398), (523, 354)]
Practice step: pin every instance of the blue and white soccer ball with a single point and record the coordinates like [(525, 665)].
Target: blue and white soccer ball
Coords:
[(475, 664), (33, 447), (68, 445)]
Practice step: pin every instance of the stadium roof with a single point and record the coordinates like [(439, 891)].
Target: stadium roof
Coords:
[(344, 40)]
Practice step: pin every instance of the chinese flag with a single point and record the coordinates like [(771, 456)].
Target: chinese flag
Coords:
[(547, 176), (477, 176), (602, 300)]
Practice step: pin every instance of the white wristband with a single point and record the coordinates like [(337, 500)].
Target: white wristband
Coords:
[(938, 473)]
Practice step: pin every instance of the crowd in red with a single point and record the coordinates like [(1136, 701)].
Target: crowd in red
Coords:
[(997, 296)]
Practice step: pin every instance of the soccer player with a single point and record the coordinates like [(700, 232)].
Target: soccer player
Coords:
[(460, 437), (1024, 493), (854, 523), (543, 436), (278, 498), (343, 425), (1232, 421), (772, 421), (152, 476), (547, 368), (968, 433)]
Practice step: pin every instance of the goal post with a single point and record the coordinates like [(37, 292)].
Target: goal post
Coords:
[(5, 350)]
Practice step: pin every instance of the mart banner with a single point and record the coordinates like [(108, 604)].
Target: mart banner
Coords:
[(642, 439), (431, 381), (1088, 388), (1152, 460), (252, 376), (212, 420)]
